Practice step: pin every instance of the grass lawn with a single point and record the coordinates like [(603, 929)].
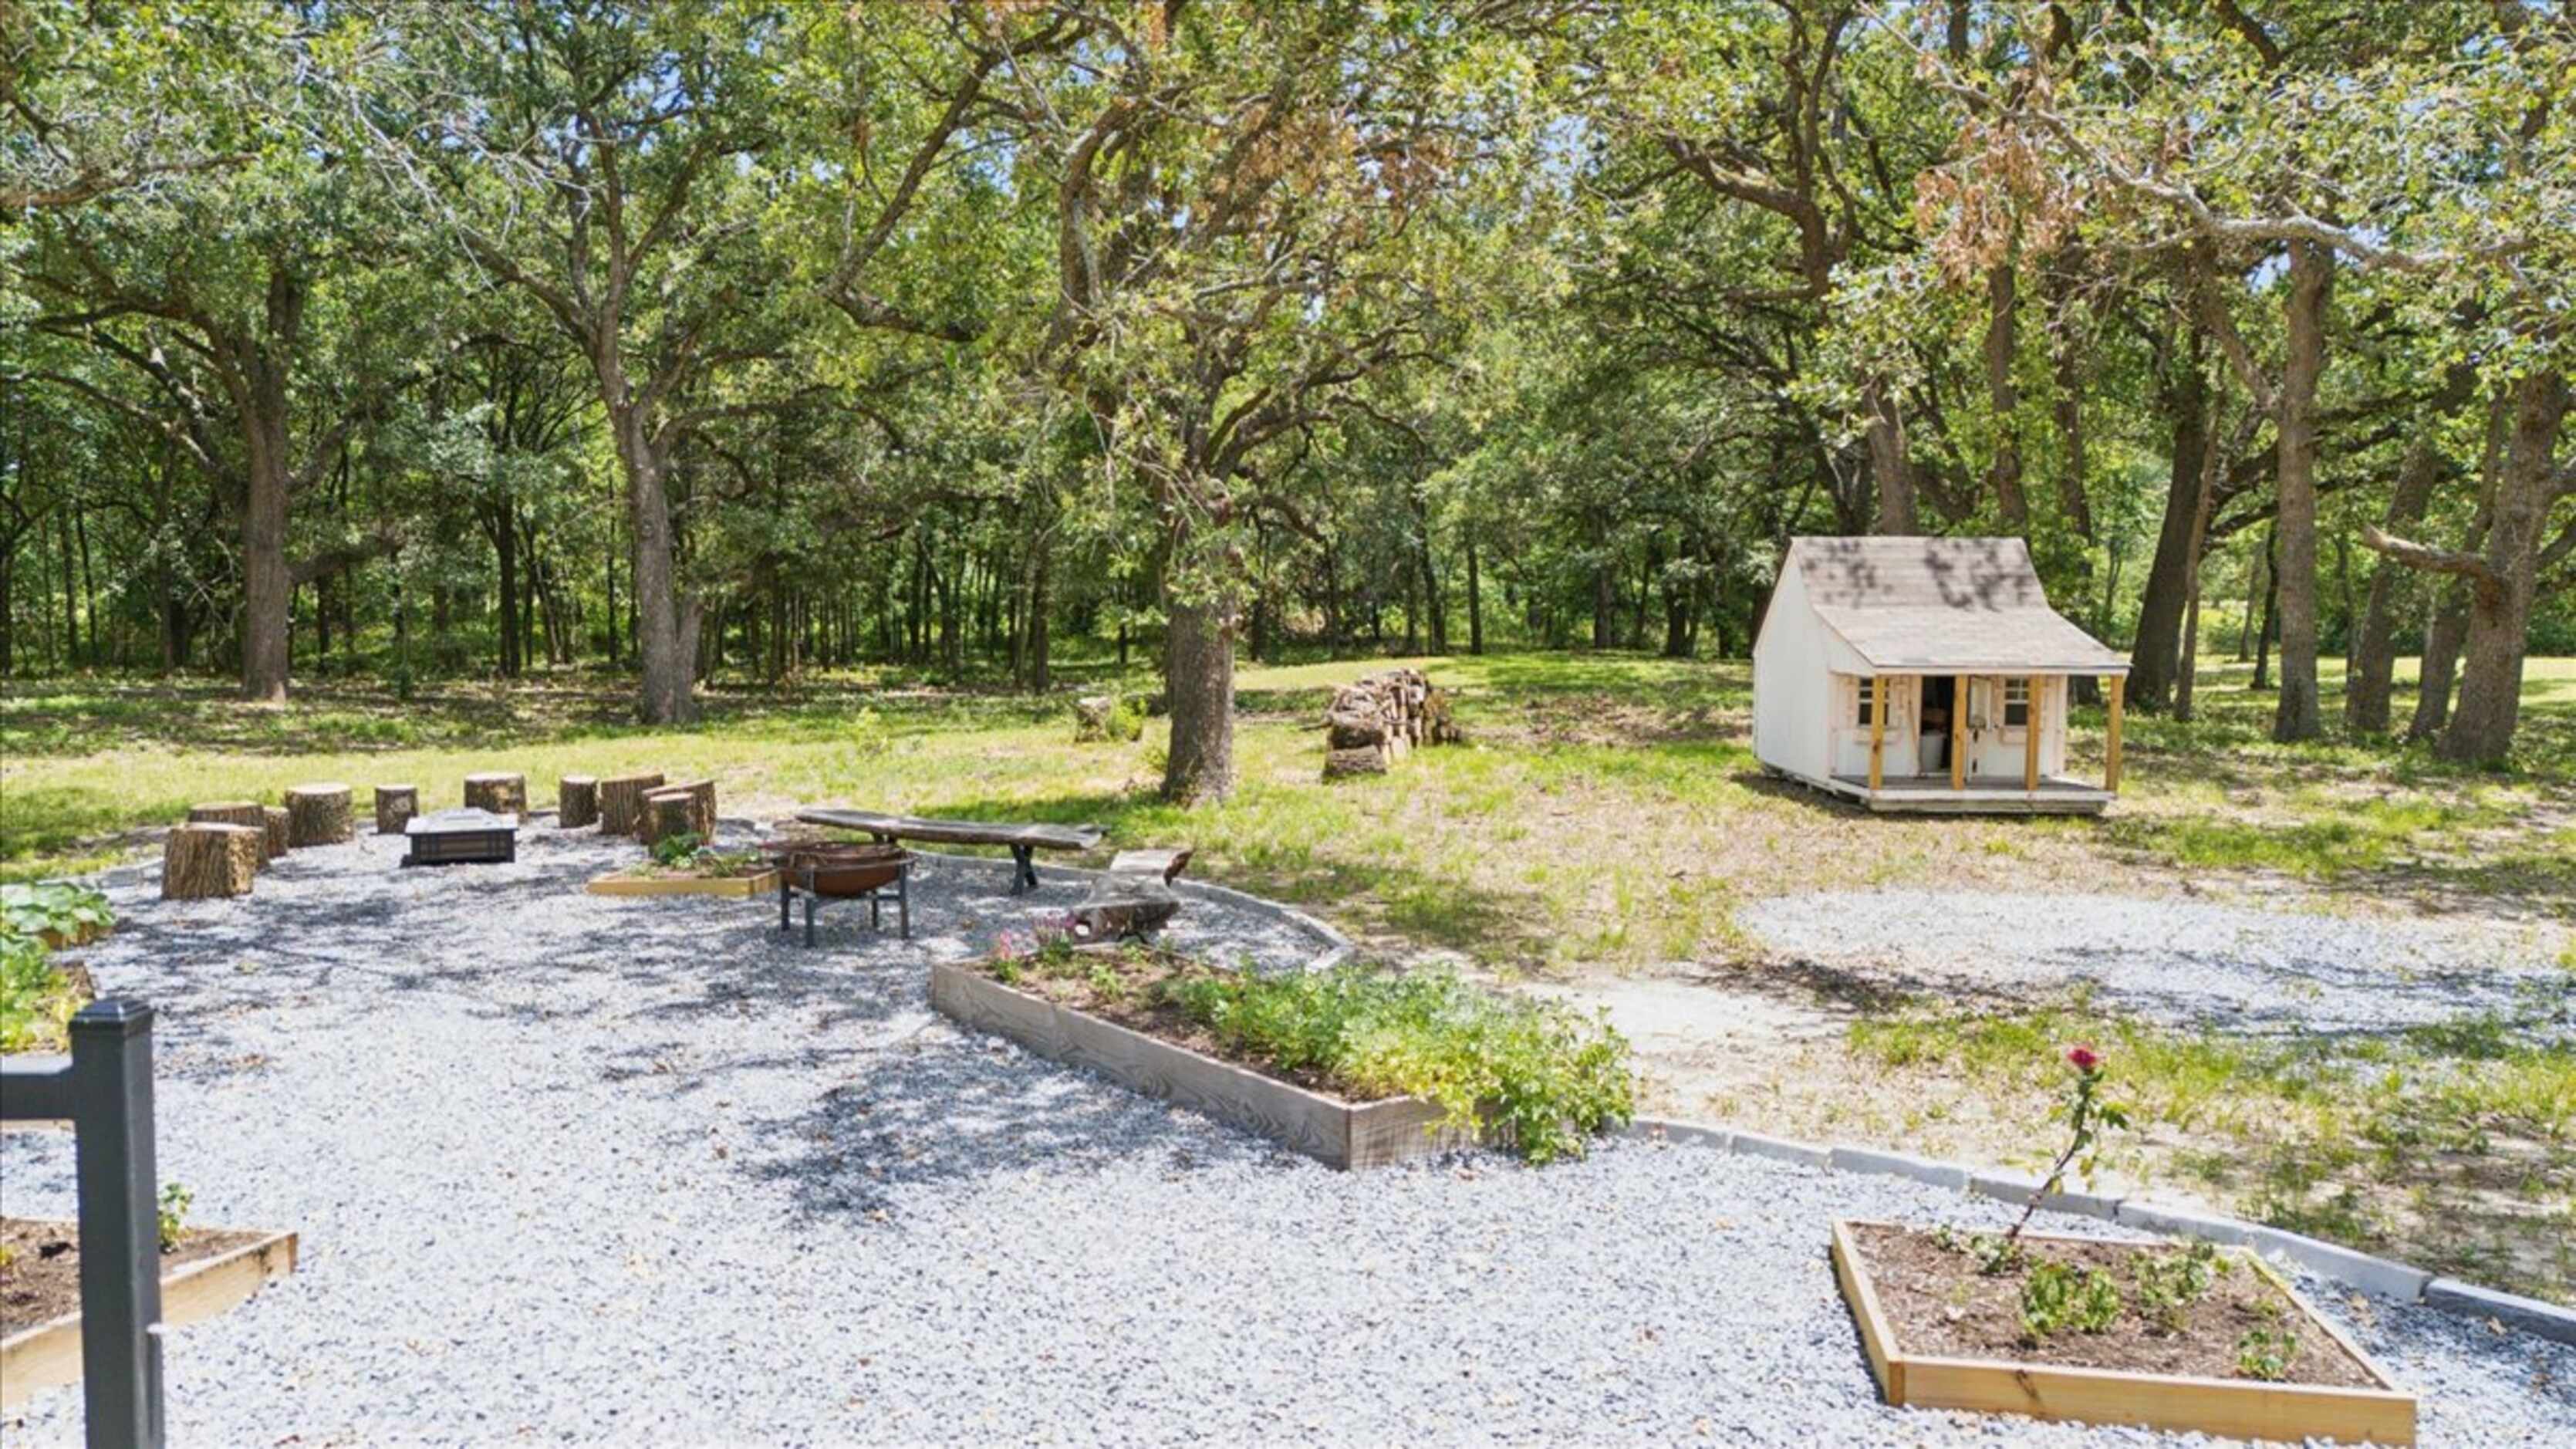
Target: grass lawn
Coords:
[(1604, 822)]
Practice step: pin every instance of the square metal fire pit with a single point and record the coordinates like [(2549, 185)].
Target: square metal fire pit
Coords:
[(461, 837)]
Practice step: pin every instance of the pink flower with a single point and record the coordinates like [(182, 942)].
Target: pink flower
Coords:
[(2084, 1058)]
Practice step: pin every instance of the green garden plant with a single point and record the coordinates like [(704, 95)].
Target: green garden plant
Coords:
[(2088, 1115), (2058, 1297), (175, 1198), (1542, 1076), (36, 999), (60, 908)]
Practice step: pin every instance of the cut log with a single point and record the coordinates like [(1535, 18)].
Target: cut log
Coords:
[(318, 815), (679, 809), (281, 829), (576, 801), (237, 812), (395, 806), (1363, 761), (621, 802), (203, 861), (498, 791), (1165, 863), (1121, 906)]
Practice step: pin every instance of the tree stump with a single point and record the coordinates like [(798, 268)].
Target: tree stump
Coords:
[(280, 827), (499, 792), (576, 801), (689, 809), (318, 815), (395, 806), (207, 860), (237, 812), (621, 802)]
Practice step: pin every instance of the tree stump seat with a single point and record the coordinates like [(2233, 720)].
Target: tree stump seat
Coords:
[(238, 812), (576, 801), (679, 810), (208, 859), (621, 802), (499, 791), (395, 806), (318, 815)]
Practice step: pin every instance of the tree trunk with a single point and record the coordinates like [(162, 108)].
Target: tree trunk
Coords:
[(267, 586), (1475, 602), (2271, 602), (2153, 660), (505, 557), (2374, 650), (1198, 680), (2298, 715), (669, 661), (1889, 469), (2003, 399), (2490, 705)]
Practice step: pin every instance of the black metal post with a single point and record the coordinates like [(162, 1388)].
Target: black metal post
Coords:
[(120, 1225)]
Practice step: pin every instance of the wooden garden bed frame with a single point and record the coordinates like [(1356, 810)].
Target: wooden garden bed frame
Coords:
[(1335, 1132), (47, 1355), (2231, 1408), (731, 887)]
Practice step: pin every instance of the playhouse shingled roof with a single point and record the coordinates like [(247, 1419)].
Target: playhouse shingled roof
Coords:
[(1944, 605)]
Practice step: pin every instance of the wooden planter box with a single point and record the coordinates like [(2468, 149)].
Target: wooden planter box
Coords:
[(48, 1354), (1337, 1133), (2231, 1408), (738, 887)]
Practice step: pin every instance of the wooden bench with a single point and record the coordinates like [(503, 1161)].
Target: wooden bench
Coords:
[(1023, 841)]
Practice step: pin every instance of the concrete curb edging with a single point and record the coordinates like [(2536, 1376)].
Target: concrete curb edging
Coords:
[(2385, 1278)]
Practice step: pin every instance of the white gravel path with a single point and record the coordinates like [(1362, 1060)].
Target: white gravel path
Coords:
[(2187, 962), (576, 1170)]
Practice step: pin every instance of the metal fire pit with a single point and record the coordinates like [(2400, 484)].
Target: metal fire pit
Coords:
[(843, 871)]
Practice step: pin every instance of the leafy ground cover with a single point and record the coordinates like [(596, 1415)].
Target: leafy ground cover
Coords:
[(1536, 1075), (1603, 825)]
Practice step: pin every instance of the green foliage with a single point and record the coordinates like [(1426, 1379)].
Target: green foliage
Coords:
[(59, 909), (2057, 1297), (677, 849), (2265, 1352), (36, 1000), (175, 1199), (1538, 1075), (2169, 1283)]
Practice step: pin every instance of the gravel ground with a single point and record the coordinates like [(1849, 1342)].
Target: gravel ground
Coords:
[(2186, 962), (579, 1170)]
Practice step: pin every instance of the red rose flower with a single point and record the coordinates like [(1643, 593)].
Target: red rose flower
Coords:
[(2083, 1058)]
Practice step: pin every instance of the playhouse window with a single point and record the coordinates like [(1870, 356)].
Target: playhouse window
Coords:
[(1860, 712), (2016, 703)]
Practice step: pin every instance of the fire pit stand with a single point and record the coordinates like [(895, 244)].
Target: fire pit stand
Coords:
[(831, 870)]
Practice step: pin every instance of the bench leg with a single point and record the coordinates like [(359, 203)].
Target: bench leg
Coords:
[(1024, 874), (782, 900), (876, 914), (809, 920), (903, 898)]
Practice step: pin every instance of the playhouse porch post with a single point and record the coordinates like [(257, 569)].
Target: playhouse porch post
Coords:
[(1877, 729), (1958, 732), (2111, 742), (2032, 722)]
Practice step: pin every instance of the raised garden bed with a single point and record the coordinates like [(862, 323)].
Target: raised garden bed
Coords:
[(208, 1271), (690, 872), (1160, 1024), (2142, 1332)]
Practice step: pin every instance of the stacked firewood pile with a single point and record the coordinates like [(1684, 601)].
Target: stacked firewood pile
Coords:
[(1375, 720)]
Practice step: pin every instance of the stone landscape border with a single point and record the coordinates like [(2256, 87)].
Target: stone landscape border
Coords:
[(2332, 1262)]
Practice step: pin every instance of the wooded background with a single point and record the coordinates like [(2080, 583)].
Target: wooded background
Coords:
[(414, 337)]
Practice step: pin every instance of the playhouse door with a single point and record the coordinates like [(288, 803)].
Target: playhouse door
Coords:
[(2000, 711)]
